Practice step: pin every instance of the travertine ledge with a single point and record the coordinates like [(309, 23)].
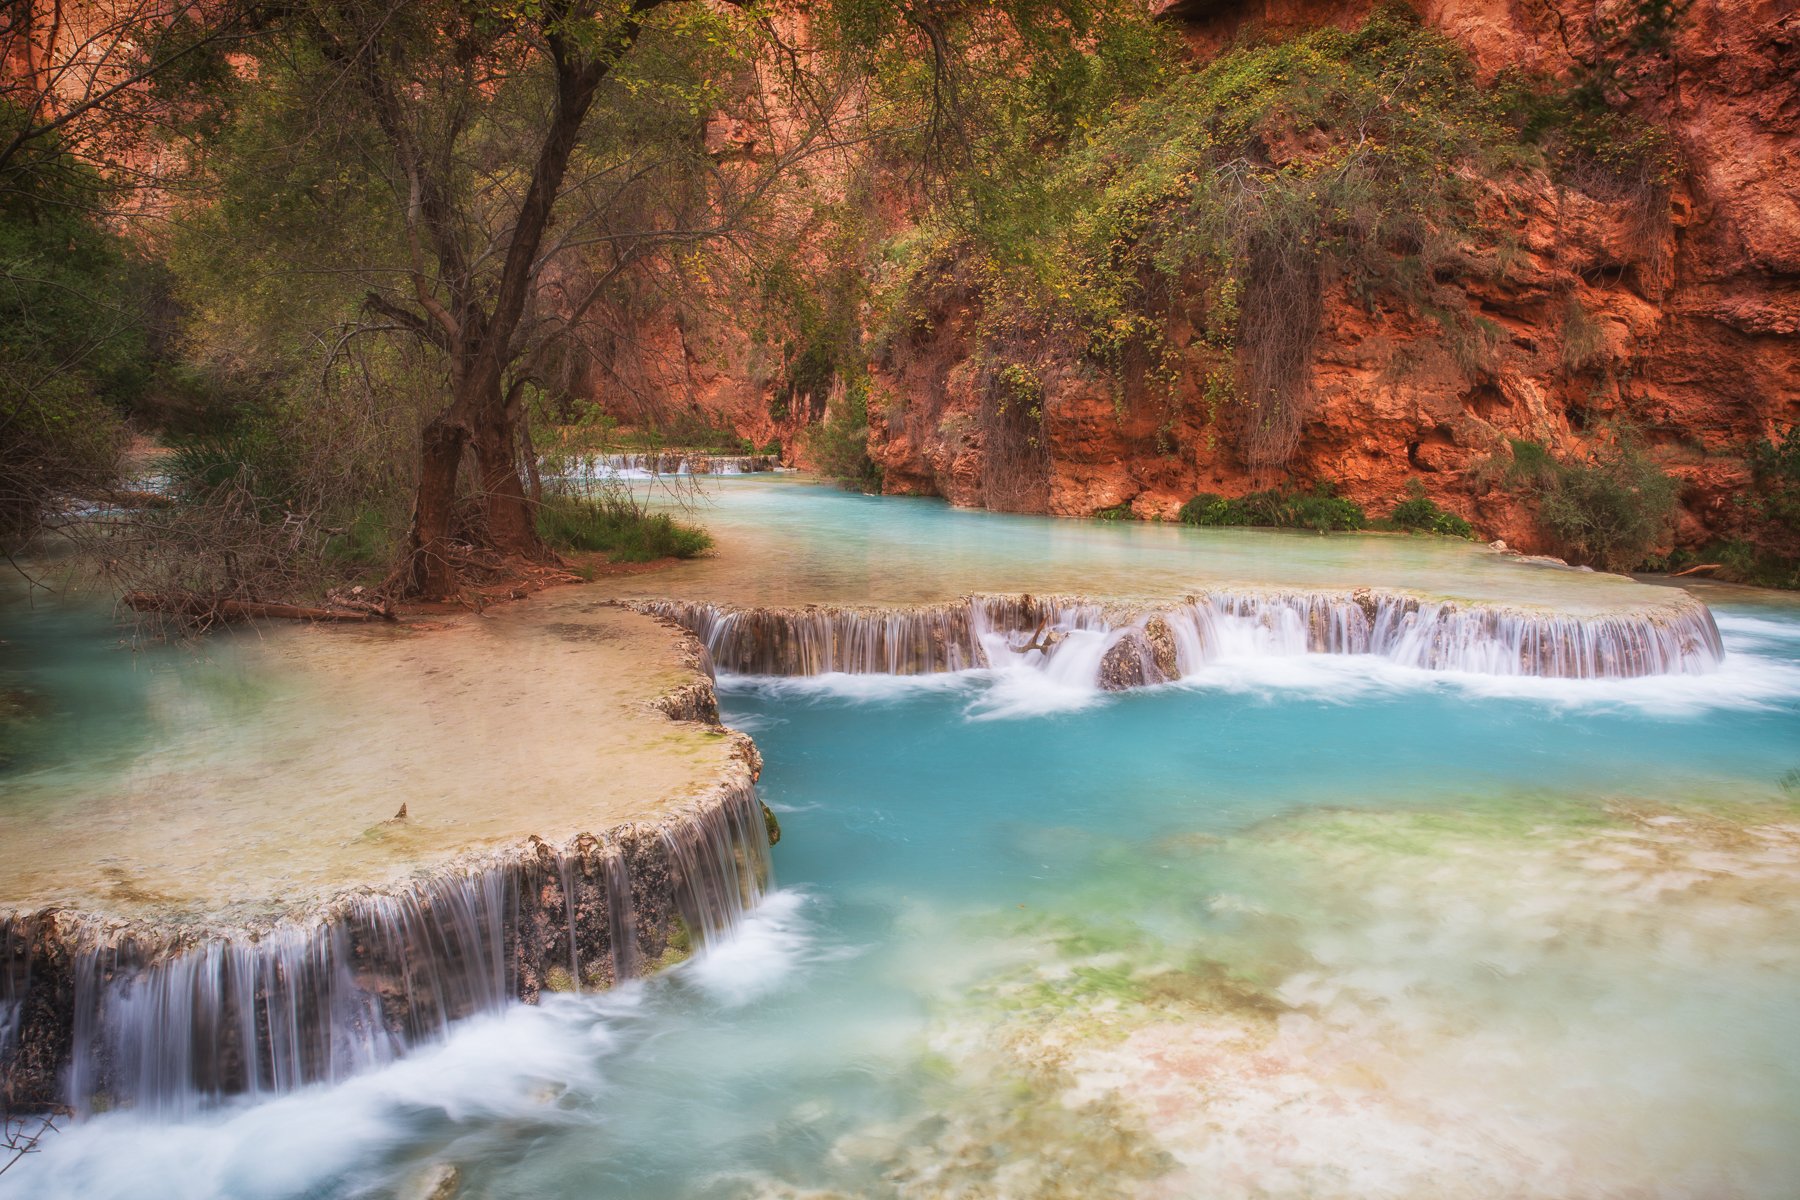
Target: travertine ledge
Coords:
[(173, 991)]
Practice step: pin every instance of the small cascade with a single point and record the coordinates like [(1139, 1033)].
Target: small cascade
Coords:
[(814, 641), (672, 462), (167, 1022), (1080, 642)]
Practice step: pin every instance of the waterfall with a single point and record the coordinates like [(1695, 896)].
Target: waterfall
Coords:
[(812, 641), (1116, 646), (671, 462), (168, 1020)]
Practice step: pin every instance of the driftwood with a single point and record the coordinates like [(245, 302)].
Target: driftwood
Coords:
[(1696, 570), (245, 610)]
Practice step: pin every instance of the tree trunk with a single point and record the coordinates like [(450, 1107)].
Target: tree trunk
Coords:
[(509, 513), (531, 464), (432, 574)]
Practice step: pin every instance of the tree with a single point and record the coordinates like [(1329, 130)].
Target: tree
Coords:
[(84, 83), (82, 87), (487, 171), (472, 125)]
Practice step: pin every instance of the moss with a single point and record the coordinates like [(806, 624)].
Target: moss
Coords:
[(558, 979), (771, 825)]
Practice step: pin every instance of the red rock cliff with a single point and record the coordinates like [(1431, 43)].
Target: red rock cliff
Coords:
[(1692, 334)]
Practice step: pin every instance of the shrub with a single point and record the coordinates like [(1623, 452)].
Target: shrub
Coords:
[(840, 444), (1419, 514), (1118, 512), (1742, 562), (1775, 498), (1608, 512), (618, 526), (1321, 509)]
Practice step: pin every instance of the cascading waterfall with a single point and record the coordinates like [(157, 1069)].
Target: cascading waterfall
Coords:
[(169, 1022), (1116, 647), (672, 462)]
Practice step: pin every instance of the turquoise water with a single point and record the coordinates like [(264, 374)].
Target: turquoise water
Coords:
[(1292, 928), (787, 540)]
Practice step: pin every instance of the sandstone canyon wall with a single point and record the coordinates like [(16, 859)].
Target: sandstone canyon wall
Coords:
[(1688, 331)]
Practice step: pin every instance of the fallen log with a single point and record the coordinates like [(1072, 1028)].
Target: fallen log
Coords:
[(246, 610), (1695, 570)]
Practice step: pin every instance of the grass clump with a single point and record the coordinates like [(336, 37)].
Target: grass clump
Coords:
[(617, 526), (1418, 513), (1320, 509)]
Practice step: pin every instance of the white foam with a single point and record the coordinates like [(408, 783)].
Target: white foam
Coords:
[(855, 688), (773, 941), (513, 1066), (1744, 682), (1744, 632), (525, 1068)]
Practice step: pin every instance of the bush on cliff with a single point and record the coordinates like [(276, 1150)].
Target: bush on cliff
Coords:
[(1193, 232), (1418, 513), (1608, 512), (840, 444), (1320, 509)]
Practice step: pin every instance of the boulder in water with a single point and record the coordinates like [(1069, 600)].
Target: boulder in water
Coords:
[(1162, 647), (1130, 663)]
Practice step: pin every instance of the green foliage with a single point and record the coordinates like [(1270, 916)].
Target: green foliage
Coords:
[(74, 354), (1530, 461), (1775, 471), (839, 446), (1745, 562), (365, 544), (1418, 513), (1585, 140), (1228, 198), (1118, 512), (253, 458), (617, 526), (1320, 509), (1221, 203), (1608, 512)]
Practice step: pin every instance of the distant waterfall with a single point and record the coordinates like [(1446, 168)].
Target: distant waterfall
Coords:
[(1115, 646), (672, 462), (95, 1016)]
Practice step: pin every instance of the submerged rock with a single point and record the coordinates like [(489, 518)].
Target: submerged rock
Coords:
[(440, 1181)]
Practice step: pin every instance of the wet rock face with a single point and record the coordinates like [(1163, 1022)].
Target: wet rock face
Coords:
[(37, 989), (1130, 663)]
